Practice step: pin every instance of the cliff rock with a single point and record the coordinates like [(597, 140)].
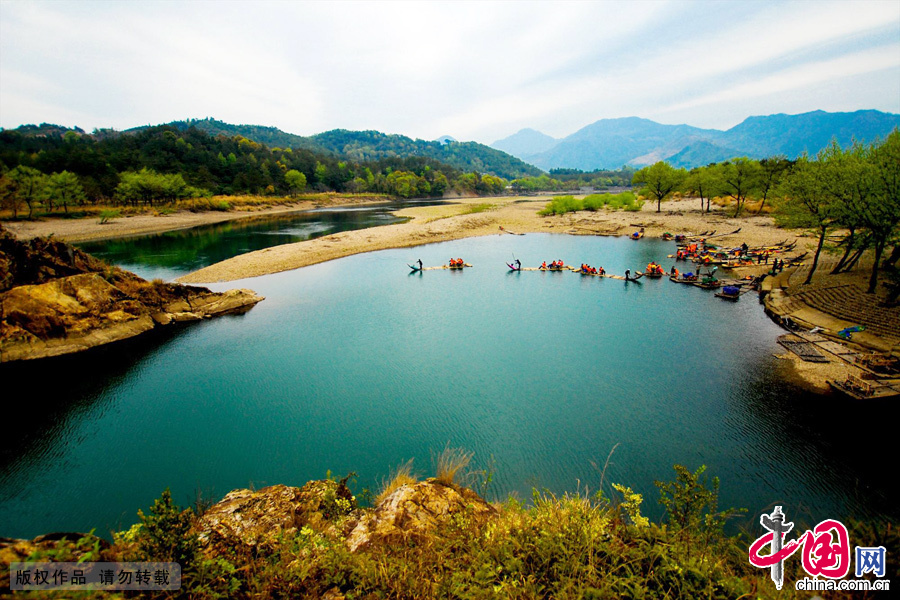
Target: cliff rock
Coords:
[(55, 299), (246, 518), (416, 510)]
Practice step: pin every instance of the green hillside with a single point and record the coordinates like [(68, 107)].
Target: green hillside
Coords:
[(367, 146)]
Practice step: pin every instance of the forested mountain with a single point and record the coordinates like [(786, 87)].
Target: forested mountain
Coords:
[(611, 143), (165, 162), (364, 146), (270, 136)]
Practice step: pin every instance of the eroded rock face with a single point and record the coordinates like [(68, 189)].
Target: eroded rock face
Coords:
[(415, 510), (56, 300), (246, 518)]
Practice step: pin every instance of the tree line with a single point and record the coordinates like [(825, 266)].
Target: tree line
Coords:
[(852, 193), (163, 164), (572, 180)]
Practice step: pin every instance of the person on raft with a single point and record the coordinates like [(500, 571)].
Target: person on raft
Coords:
[(420, 264), (518, 264)]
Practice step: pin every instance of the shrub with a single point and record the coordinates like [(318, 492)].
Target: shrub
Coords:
[(107, 214), (165, 532), (561, 205)]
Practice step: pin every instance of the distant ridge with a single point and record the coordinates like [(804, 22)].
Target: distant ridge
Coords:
[(526, 142), (374, 145), (612, 143)]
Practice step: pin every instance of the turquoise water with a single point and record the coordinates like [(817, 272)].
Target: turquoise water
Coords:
[(172, 254), (358, 365)]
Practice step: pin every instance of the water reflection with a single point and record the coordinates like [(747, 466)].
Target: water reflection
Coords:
[(169, 255)]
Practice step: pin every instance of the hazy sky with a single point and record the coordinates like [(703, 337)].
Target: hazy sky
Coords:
[(474, 70)]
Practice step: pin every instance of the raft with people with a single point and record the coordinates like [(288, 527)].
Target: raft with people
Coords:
[(556, 265), (457, 263), (586, 269), (654, 270)]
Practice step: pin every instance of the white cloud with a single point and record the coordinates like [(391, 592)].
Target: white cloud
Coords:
[(474, 70)]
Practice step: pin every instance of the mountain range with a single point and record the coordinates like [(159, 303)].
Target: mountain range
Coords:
[(605, 144), (362, 146), (612, 143)]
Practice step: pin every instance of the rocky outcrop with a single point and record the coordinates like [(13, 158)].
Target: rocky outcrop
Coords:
[(261, 518), (55, 300), (247, 519), (416, 509)]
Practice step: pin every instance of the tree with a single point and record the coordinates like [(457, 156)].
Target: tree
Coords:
[(295, 180), (28, 184), (883, 215), (739, 177), (64, 188), (702, 182), (9, 199), (659, 180), (771, 171), (804, 203)]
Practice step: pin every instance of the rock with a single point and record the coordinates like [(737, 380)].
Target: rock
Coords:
[(55, 299), (416, 510), (246, 518), (162, 318)]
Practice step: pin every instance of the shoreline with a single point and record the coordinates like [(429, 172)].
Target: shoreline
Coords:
[(89, 229), (469, 217), (514, 214)]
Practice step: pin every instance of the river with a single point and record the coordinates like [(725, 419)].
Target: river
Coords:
[(358, 365)]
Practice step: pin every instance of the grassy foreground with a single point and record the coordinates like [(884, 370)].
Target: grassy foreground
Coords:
[(570, 546)]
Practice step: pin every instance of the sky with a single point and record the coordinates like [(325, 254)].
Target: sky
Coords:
[(477, 71)]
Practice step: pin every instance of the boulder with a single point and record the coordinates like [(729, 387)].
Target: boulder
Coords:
[(249, 519), (415, 510)]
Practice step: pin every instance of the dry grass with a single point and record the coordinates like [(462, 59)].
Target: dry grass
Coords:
[(450, 462), (401, 476)]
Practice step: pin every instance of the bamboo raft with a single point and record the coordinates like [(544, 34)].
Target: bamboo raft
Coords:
[(447, 267), (806, 350), (862, 389)]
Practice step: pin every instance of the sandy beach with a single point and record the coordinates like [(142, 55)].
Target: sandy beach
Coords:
[(429, 224), (89, 229)]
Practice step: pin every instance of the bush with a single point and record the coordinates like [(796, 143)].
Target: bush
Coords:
[(107, 214), (561, 205), (165, 533)]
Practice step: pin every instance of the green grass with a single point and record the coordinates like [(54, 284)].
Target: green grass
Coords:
[(478, 208), (564, 204)]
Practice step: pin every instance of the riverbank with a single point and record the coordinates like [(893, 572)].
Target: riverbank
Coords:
[(90, 229), (486, 216)]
